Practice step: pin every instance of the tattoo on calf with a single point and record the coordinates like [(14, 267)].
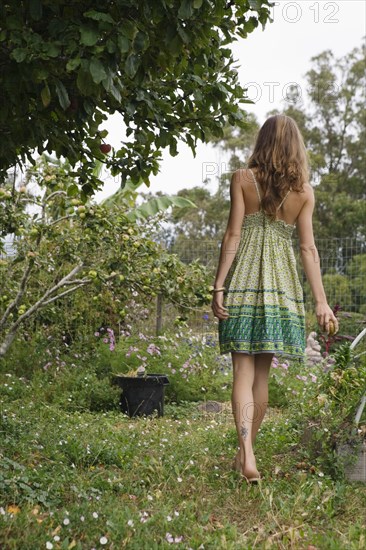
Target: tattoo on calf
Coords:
[(243, 431)]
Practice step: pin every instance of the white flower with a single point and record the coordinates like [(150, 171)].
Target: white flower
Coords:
[(82, 518), (179, 479), (66, 521), (149, 497), (56, 538), (130, 522), (169, 518), (103, 540), (49, 545), (95, 515)]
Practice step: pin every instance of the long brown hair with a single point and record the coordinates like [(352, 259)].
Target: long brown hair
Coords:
[(280, 159)]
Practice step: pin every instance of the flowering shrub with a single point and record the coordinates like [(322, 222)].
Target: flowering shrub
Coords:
[(108, 337), (192, 362), (324, 408)]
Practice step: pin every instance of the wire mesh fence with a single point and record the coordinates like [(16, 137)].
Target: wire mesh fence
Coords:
[(343, 267)]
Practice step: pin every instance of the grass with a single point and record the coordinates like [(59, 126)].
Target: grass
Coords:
[(85, 480)]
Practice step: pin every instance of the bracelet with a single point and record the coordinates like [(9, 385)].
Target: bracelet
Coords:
[(219, 289)]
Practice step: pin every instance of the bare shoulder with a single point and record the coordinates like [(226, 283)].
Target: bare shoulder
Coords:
[(241, 174), (308, 190), (308, 194), (236, 179)]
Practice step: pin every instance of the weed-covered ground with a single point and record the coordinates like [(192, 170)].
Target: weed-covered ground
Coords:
[(92, 480)]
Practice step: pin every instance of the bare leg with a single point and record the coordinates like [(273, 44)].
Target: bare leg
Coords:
[(260, 389), (262, 364), (243, 409)]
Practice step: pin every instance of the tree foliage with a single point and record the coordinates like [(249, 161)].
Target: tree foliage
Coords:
[(333, 123), (164, 66), (334, 128), (64, 247)]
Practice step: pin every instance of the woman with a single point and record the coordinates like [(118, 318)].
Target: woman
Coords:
[(257, 294)]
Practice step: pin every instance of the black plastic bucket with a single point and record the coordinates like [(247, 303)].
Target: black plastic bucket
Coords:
[(142, 395)]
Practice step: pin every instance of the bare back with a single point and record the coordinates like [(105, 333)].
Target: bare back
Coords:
[(291, 207)]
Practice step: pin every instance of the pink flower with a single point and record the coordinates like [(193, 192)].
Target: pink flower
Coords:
[(169, 537), (105, 340), (130, 350), (153, 350)]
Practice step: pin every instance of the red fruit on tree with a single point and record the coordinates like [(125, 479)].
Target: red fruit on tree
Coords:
[(105, 148)]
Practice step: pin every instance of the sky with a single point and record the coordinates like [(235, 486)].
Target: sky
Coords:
[(267, 61)]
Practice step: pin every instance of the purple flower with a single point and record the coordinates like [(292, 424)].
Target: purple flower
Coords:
[(105, 340), (153, 350)]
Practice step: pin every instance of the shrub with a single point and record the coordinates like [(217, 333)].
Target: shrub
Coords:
[(192, 363), (325, 411)]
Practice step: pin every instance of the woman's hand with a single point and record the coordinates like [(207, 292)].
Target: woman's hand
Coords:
[(217, 306), (324, 314)]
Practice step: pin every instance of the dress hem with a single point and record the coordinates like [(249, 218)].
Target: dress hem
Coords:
[(275, 352)]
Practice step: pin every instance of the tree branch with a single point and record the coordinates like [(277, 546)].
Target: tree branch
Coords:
[(22, 286), (69, 291), (60, 219), (44, 300)]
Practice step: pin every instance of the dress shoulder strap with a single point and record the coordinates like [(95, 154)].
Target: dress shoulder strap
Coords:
[(284, 198), (256, 185)]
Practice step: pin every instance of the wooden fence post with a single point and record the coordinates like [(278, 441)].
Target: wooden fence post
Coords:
[(159, 316)]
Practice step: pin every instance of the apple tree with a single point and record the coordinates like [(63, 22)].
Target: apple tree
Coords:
[(164, 66), (64, 246)]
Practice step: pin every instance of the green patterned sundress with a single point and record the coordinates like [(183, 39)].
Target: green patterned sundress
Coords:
[(263, 292)]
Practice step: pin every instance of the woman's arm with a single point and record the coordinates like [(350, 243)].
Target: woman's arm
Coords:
[(230, 241), (311, 262)]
